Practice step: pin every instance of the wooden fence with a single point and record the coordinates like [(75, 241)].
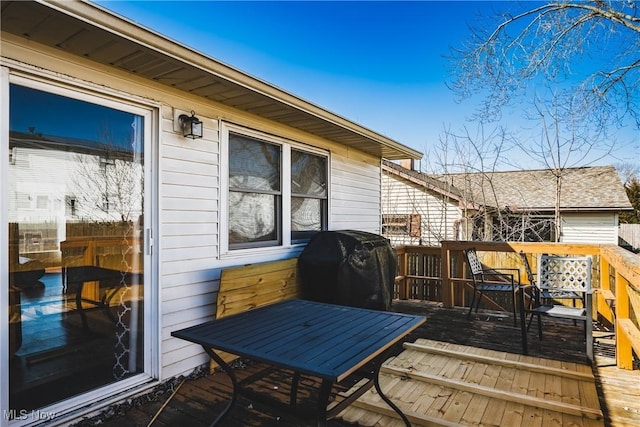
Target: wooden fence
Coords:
[(630, 236)]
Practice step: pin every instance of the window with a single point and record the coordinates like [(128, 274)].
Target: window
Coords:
[(23, 201), (255, 194), (539, 228), (70, 206), (277, 190), (308, 194), (401, 225), (42, 202)]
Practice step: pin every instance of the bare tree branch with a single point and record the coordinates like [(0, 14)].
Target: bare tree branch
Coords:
[(543, 44)]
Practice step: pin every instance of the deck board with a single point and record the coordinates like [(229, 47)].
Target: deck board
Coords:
[(556, 397), (616, 390)]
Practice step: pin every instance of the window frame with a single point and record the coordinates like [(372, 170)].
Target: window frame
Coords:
[(283, 222), (405, 225), (304, 236), (276, 194)]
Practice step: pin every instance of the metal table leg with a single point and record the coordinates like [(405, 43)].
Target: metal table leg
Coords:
[(234, 383), (78, 286), (293, 395), (323, 401), (376, 383)]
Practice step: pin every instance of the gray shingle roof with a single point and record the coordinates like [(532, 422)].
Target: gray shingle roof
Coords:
[(594, 188), (586, 188)]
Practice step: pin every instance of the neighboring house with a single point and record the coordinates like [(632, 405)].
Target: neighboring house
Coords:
[(418, 209), (516, 206), (96, 167)]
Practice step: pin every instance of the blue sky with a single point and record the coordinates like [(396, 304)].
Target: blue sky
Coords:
[(381, 64)]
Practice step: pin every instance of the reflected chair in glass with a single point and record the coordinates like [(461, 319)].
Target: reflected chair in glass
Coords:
[(559, 275), (491, 280)]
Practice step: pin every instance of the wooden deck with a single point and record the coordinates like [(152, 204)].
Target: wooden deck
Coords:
[(437, 383), (196, 402)]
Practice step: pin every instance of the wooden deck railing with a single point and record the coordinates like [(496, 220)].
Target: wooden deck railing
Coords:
[(438, 274), (624, 267)]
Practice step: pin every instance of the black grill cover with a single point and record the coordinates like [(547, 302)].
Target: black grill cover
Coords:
[(352, 268)]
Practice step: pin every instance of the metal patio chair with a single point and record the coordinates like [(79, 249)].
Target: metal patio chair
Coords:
[(563, 276), (545, 296), (491, 280)]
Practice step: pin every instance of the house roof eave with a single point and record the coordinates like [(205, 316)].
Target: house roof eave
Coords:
[(422, 181), (570, 209), (92, 32)]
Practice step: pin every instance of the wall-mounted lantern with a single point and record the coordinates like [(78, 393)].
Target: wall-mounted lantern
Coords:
[(191, 126)]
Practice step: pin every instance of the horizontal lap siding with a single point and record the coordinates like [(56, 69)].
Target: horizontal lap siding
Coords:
[(190, 269), (355, 193), (438, 216), (189, 201), (186, 243), (590, 228)]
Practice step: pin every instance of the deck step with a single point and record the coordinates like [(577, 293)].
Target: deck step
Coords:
[(437, 383)]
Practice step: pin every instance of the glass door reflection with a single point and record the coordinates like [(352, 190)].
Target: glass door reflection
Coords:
[(76, 263)]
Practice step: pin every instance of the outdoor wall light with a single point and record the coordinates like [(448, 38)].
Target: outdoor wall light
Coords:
[(191, 126)]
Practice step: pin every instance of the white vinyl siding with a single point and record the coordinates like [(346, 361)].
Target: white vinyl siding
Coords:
[(190, 267), (355, 194), (186, 203), (188, 236), (438, 215), (587, 227)]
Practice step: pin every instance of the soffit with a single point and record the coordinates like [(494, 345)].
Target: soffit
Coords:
[(89, 31)]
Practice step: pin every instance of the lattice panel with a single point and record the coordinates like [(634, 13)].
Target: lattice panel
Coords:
[(564, 273), (474, 262)]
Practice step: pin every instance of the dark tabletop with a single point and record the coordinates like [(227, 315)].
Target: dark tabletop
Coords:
[(326, 340)]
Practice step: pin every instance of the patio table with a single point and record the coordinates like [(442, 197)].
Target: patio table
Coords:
[(326, 341), (76, 277)]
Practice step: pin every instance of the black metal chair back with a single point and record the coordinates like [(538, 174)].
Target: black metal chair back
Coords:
[(491, 280), (527, 268)]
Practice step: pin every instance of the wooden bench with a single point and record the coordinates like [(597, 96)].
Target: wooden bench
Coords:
[(249, 286)]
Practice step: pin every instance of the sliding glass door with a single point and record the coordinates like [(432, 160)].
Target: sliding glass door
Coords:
[(76, 202)]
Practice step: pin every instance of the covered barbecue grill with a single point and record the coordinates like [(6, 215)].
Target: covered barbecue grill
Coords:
[(352, 268)]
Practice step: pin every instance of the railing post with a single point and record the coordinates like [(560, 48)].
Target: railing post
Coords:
[(622, 298), (605, 297), (447, 284), (459, 297), (403, 286), (624, 355)]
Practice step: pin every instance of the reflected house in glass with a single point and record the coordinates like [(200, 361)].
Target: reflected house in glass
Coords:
[(91, 169), (75, 217), (118, 226)]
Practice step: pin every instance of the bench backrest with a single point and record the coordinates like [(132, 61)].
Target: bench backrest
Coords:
[(253, 285)]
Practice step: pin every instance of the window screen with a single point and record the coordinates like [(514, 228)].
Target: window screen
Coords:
[(254, 192), (308, 194)]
